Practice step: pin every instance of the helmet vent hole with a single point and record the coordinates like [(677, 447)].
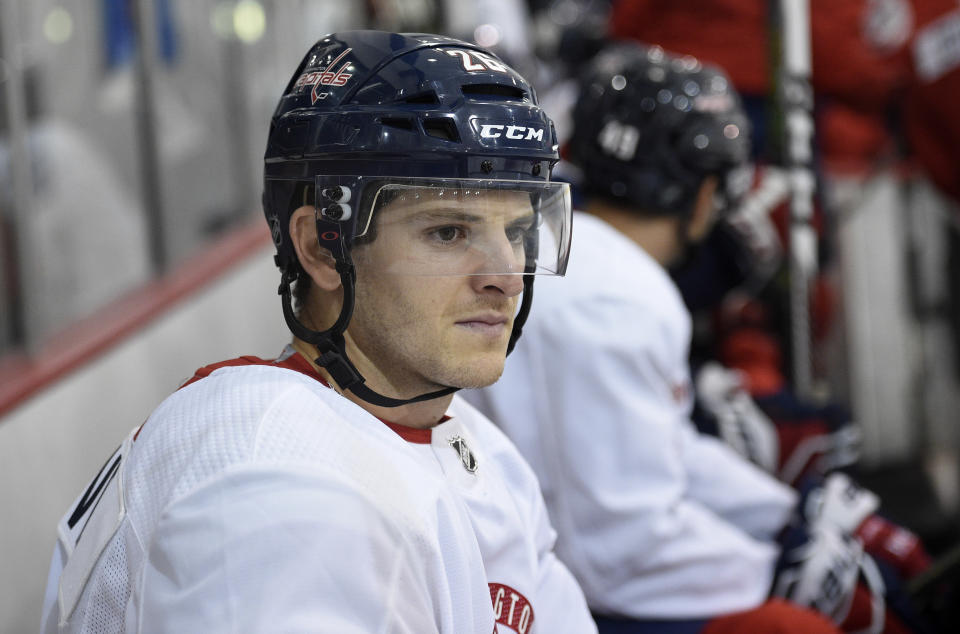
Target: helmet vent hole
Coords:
[(429, 98), (493, 92), (444, 129), (401, 123)]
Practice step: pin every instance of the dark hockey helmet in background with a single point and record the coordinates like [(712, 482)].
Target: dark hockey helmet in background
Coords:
[(650, 126), (365, 108)]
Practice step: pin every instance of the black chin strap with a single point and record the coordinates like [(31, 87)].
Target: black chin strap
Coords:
[(333, 358), (332, 347), (521, 317)]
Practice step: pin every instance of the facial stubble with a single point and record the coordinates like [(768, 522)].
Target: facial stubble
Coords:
[(404, 326)]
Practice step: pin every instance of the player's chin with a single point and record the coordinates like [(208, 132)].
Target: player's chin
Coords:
[(473, 360), (480, 371)]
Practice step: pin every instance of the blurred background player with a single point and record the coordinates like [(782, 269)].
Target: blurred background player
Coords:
[(342, 486), (662, 525), (882, 310), (69, 171)]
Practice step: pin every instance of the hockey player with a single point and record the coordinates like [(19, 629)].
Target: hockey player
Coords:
[(666, 529), (343, 487)]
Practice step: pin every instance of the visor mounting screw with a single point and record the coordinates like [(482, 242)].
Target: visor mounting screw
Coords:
[(337, 194), (486, 166), (333, 193), (536, 169)]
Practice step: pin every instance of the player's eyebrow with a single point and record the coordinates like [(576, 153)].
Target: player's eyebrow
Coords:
[(455, 210), (447, 215), (527, 219)]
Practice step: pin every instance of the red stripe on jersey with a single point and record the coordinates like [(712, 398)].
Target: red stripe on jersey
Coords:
[(415, 435), (511, 608), (294, 362), (298, 363)]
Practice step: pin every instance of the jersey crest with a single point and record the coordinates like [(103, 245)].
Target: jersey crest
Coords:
[(467, 458)]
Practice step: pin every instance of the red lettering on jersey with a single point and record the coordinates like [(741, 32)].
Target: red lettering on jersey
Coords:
[(511, 608)]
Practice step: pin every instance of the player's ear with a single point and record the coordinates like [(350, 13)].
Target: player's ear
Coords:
[(315, 260)]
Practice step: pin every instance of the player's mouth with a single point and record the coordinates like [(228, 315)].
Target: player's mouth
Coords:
[(490, 324)]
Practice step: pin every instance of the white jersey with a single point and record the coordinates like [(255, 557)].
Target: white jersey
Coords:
[(654, 519), (257, 499)]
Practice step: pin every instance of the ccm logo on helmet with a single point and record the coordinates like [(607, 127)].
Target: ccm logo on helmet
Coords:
[(519, 132)]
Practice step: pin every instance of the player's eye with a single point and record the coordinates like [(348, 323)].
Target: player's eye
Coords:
[(446, 235), (517, 231)]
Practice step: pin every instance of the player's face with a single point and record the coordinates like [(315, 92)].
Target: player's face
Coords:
[(438, 287)]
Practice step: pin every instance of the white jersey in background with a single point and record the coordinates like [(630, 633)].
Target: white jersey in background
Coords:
[(654, 519), (257, 499)]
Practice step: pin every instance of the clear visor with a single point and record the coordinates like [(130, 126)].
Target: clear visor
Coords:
[(457, 227)]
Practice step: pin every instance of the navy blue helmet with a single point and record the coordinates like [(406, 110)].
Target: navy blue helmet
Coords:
[(366, 111), (649, 127)]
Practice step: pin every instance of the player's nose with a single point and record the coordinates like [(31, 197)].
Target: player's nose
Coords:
[(502, 265), (508, 285)]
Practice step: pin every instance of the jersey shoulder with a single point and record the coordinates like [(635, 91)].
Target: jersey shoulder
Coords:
[(250, 416), (289, 359), (608, 267), (615, 295)]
